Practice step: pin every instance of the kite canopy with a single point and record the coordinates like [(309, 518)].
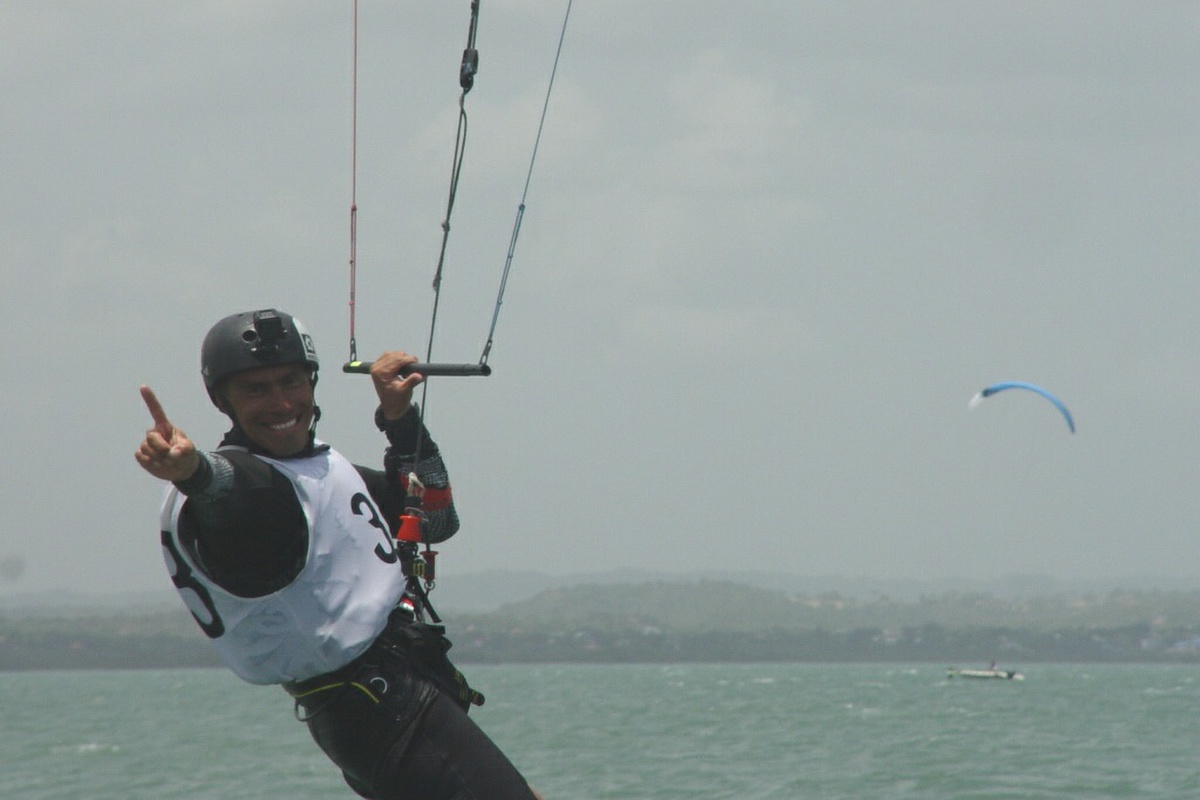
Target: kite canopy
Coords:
[(988, 391)]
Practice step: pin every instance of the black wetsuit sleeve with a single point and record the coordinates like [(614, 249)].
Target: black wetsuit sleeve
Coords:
[(242, 523), (411, 449)]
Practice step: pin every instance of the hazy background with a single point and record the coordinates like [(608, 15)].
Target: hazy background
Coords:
[(772, 249)]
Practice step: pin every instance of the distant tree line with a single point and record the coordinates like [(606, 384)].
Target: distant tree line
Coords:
[(927, 643), (168, 640), (695, 622)]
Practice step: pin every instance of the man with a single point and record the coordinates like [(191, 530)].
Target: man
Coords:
[(283, 551)]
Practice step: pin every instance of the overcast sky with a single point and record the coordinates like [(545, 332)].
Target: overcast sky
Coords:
[(772, 249)]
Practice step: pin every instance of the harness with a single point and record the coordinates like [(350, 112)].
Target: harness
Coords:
[(401, 671)]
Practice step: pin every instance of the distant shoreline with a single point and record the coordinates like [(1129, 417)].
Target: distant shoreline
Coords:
[(488, 591), (700, 621)]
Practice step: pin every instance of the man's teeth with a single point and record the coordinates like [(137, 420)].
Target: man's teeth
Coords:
[(282, 426)]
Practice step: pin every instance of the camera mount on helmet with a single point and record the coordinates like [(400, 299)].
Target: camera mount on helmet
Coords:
[(252, 340)]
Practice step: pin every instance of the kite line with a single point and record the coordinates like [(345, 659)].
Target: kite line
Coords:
[(468, 68)]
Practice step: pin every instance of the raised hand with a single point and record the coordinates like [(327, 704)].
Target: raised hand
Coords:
[(166, 452), (395, 390)]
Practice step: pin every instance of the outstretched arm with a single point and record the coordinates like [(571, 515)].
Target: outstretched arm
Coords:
[(242, 515)]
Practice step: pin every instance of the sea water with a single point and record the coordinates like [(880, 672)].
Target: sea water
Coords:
[(581, 732)]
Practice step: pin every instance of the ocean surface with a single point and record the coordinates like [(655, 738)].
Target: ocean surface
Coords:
[(771, 731)]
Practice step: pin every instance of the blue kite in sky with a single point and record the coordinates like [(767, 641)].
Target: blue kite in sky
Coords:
[(988, 391)]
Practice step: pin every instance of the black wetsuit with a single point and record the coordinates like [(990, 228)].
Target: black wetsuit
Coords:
[(394, 719)]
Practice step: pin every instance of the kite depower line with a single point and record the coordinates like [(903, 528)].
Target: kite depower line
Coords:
[(468, 69)]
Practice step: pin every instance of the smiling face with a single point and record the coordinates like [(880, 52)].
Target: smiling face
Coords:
[(274, 406)]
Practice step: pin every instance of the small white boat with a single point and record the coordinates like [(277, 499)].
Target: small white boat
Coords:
[(990, 673)]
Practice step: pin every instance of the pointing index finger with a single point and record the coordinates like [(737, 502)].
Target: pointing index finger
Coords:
[(156, 410)]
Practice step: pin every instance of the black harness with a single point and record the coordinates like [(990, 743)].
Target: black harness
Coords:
[(400, 671)]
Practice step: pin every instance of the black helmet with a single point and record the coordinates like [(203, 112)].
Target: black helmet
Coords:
[(251, 340)]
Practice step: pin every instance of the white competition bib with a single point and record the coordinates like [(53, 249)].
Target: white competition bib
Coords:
[(334, 608)]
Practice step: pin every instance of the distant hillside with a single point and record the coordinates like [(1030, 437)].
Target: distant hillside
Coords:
[(488, 591), (722, 621), (122, 640), (483, 592), (709, 605), (699, 620)]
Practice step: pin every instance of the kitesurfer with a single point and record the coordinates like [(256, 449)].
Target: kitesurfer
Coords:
[(283, 551)]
